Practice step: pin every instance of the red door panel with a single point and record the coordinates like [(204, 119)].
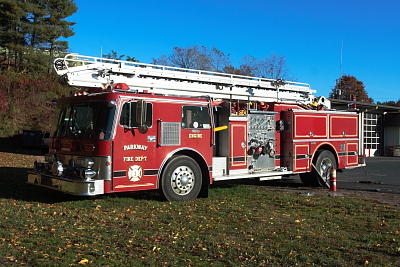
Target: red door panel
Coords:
[(343, 126), (238, 144), (310, 126), (301, 157)]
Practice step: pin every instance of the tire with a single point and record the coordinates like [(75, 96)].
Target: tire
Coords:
[(182, 179), (324, 163)]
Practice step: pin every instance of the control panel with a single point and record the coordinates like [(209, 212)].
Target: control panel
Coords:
[(261, 141)]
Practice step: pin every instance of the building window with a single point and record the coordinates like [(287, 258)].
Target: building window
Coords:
[(372, 132)]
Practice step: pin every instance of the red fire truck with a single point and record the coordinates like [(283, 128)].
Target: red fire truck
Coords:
[(135, 126)]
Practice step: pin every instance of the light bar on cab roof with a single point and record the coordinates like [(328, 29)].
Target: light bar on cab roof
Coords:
[(121, 86)]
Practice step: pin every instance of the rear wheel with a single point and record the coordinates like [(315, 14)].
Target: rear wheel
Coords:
[(321, 173), (182, 179)]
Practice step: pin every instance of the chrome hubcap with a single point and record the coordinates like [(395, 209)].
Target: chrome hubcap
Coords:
[(326, 166), (182, 180)]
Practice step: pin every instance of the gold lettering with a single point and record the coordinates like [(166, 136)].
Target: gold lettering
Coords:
[(195, 135), (139, 158), (135, 147), (128, 159)]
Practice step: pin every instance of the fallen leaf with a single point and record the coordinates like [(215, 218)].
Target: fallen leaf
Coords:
[(84, 261)]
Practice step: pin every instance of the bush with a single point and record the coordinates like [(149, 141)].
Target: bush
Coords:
[(26, 101)]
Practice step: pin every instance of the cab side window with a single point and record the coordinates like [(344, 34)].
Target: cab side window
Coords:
[(128, 115), (195, 117)]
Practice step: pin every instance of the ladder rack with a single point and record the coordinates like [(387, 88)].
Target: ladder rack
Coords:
[(86, 71)]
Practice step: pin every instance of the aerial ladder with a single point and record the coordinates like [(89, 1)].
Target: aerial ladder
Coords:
[(94, 72)]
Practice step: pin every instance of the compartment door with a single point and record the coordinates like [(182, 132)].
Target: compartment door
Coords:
[(238, 144), (352, 153), (301, 157)]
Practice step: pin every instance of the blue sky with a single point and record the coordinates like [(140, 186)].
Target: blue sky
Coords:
[(309, 33)]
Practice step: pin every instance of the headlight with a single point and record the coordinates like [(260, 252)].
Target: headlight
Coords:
[(86, 174), (85, 162), (57, 168)]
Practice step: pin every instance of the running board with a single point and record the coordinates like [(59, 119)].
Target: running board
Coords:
[(261, 176)]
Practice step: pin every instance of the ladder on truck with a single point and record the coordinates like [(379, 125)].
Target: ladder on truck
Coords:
[(86, 71)]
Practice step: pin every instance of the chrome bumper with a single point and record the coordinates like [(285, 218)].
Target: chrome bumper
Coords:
[(73, 187)]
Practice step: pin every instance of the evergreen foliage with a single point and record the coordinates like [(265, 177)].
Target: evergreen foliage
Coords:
[(390, 103), (29, 41), (31, 30)]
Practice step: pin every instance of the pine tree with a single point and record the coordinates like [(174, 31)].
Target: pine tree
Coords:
[(13, 20), (31, 29), (55, 25)]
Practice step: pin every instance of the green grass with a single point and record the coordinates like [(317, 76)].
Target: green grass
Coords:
[(238, 225)]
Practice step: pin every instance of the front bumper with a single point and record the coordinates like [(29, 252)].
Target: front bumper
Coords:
[(73, 187)]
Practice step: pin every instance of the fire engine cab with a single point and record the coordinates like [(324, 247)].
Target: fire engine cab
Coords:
[(135, 126)]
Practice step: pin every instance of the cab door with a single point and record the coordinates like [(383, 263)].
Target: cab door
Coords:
[(133, 149)]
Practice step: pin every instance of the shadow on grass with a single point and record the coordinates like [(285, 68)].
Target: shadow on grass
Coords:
[(13, 186)]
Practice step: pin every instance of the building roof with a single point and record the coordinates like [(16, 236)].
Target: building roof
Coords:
[(364, 107)]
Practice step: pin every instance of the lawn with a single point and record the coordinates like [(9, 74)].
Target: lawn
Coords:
[(238, 225)]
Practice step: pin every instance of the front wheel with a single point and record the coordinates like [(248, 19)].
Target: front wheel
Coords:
[(181, 179)]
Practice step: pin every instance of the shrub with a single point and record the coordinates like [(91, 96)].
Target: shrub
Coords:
[(26, 101)]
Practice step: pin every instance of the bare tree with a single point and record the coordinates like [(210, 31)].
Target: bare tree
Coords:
[(195, 57), (212, 59), (185, 57), (219, 59), (273, 67), (233, 70), (162, 60)]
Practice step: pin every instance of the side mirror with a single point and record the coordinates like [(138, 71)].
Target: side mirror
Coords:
[(143, 128), (141, 112), (112, 104)]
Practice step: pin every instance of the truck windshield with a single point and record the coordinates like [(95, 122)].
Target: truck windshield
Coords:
[(85, 119)]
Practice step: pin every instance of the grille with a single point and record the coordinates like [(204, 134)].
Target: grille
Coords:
[(170, 134)]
